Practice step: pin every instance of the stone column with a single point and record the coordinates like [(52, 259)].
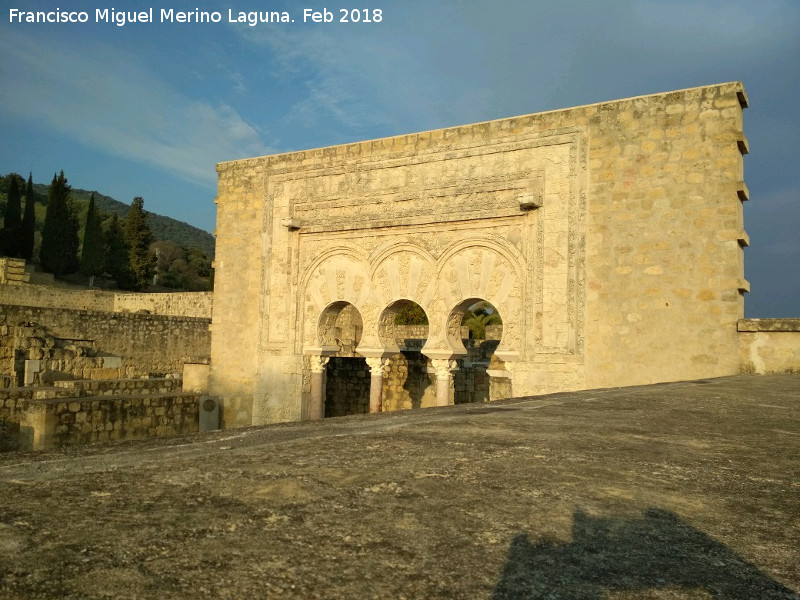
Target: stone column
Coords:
[(317, 407), (444, 379), (378, 368)]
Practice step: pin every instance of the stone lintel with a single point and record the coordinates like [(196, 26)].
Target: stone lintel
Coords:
[(507, 356), (377, 352), (440, 354), (320, 350)]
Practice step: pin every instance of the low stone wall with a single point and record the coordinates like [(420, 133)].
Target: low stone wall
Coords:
[(178, 304), (79, 421), (769, 346), (14, 405), (45, 296)]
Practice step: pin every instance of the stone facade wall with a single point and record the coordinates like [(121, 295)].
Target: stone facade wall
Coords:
[(180, 304), (609, 237), (74, 341), (769, 346)]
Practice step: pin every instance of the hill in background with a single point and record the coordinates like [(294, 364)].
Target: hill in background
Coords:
[(163, 228)]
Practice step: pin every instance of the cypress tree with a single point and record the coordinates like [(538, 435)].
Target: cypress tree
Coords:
[(117, 259), (93, 251), (59, 253), (12, 220), (28, 222), (139, 238)]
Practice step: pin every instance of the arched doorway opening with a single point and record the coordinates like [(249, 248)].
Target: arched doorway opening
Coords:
[(408, 382), (346, 378), (475, 330)]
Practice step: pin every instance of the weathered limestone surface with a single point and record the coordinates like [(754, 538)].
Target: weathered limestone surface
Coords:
[(83, 412), (97, 345), (609, 237), (178, 304), (769, 345), (79, 421)]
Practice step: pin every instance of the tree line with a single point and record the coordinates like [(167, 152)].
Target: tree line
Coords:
[(122, 249)]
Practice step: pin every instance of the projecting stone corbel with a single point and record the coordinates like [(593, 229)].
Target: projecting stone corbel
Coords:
[(533, 198), (743, 239), (744, 145), (291, 224), (529, 202), (743, 192)]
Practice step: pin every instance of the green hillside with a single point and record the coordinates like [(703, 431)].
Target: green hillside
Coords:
[(163, 228)]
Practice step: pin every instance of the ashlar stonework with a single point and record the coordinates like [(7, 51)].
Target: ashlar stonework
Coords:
[(608, 237)]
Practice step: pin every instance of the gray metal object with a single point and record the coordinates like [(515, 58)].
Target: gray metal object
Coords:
[(209, 413)]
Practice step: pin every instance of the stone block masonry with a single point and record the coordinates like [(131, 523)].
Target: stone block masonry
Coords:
[(78, 421), (177, 304), (609, 238), (73, 342), (769, 346), (102, 406)]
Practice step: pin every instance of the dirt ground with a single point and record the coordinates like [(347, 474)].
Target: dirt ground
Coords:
[(685, 490)]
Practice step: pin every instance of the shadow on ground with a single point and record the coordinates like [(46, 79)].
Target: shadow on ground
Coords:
[(658, 551)]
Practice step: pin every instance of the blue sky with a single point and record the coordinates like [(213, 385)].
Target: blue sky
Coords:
[(148, 109)]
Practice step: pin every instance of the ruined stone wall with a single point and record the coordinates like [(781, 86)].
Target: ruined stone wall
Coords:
[(175, 304), (14, 405), (408, 382), (179, 304), (769, 346), (12, 271), (145, 344), (79, 421), (43, 296), (609, 238)]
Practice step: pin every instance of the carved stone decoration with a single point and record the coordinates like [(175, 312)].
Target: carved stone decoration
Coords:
[(444, 380), (316, 409), (379, 369), (318, 363), (444, 368), (563, 221)]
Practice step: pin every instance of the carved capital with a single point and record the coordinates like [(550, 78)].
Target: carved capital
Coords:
[(318, 363), (443, 367), (378, 366)]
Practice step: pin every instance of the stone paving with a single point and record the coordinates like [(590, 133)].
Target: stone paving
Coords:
[(686, 490)]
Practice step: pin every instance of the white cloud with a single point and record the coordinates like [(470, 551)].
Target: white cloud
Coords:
[(104, 99)]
